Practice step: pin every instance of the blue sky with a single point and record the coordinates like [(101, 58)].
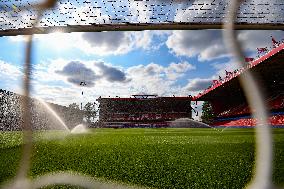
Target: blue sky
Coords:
[(121, 64)]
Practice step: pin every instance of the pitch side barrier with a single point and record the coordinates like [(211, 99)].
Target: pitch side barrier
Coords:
[(274, 120), (135, 125), (246, 117)]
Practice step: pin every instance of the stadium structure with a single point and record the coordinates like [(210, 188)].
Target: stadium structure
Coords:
[(143, 111), (228, 99), (226, 96)]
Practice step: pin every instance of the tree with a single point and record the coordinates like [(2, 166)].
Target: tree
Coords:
[(74, 106), (90, 111), (207, 113)]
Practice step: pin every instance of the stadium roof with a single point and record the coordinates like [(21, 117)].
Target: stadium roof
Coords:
[(268, 69), (137, 99), (144, 96), (16, 16)]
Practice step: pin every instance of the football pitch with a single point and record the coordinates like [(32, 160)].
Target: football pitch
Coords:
[(154, 158)]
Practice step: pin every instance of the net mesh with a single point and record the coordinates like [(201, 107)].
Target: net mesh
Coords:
[(19, 14)]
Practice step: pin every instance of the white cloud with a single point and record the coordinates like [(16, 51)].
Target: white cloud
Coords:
[(105, 43), (157, 79), (15, 19), (220, 68), (56, 41), (206, 44), (143, 79), (9, 70), (46, 71), (209, 44), (264, 11), (141, 11), (176, 70), (59, 41), (194, 12), (111, 73), (118, 42), (77, 71), (171, 72), (11, 77), (143, 39), (198, 84), (109, 81), (57, 94), (99, 43), (18, 38), (251, 40), (85, 15)]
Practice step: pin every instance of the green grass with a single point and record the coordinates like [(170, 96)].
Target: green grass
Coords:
[(159, 158)]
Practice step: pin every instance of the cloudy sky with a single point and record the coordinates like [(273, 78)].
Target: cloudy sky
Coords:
[(121, 64)]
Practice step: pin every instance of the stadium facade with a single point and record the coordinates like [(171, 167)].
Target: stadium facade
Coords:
[(228, 100), (143, 111)]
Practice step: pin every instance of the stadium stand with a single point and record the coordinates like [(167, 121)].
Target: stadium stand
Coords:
[(142, 111), (229, 102)]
